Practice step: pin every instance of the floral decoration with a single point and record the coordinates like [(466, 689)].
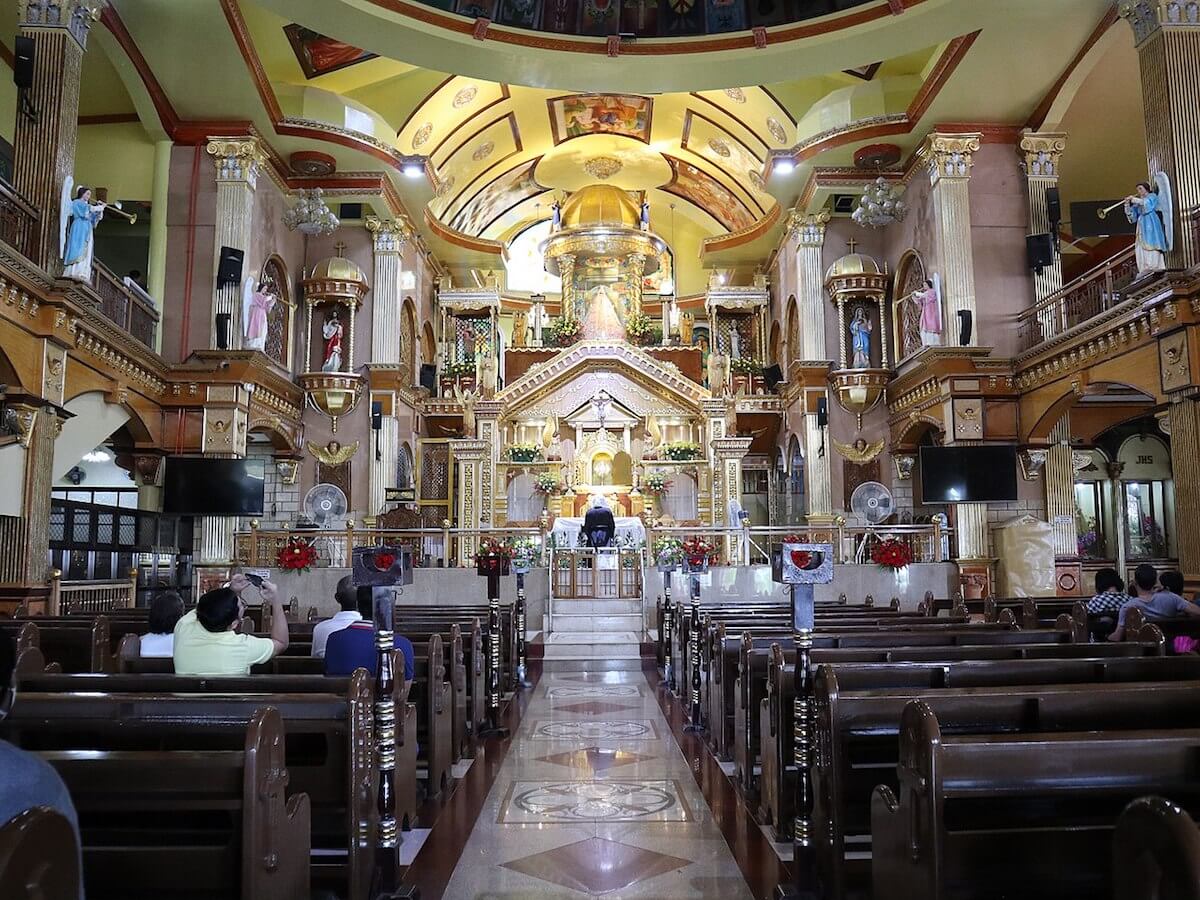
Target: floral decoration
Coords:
[(459, 369), (891, 554), (682, 451), (656, 484), (697, 551), (523, 452), (526, 552), (494, 547), (547, 483), (745, 366), (639, 328), (668, 551), (565, 332), (297, 555)]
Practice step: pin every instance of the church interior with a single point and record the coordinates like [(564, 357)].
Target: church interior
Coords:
[(487, 449)]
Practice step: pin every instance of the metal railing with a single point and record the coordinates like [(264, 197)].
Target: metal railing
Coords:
[(18, 222), (129, 307), (1089, 295), (76, 597)]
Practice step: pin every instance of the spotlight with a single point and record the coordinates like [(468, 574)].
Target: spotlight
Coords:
[(783, 166), (413, 170)]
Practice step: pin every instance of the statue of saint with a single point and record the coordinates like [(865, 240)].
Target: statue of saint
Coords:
[(602, 321), (257, 303), (520, 329), (860, 338), (79, 218), (332, 332), (718, 372), (1145, 208), (687, 322), (930, 302)]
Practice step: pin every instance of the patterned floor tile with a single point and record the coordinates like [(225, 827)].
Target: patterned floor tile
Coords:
[(597, 866), (600, 690), (594, 759), (610, 730), (571, 802), (595, 708)]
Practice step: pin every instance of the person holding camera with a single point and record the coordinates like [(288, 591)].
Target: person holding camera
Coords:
[(207, 639)]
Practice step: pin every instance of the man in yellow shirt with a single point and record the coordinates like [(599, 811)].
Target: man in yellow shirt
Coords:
[(207, 641)]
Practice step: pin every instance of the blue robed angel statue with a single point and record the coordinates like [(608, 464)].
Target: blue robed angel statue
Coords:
[(860, 339), (77, 225), (1150, 209)]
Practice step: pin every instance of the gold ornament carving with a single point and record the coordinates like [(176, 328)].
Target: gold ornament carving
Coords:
[(421, 138), (860, 452), (603, 167), (1041, 153), (333, 453), (465, 96), (950, 155)]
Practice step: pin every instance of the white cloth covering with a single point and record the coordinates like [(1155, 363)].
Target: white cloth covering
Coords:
[(566, 531)]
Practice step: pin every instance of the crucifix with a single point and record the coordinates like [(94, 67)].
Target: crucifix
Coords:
[(852, 243), (339, 247)]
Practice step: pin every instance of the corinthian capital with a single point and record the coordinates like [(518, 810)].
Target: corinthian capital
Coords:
[(808, 229), (73, 16), (950, 155), (1147, 16), (236, 159), (1041, 153), (388, 235)]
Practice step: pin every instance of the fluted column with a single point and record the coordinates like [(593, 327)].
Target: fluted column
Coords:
[(39, 427), (1060, 489), (44, 141), (467, 456), (1185, 468), (238, 162), (385, 456), (949, 159), (818, 484), (1167, 33), (1041, 154), (388, 239)]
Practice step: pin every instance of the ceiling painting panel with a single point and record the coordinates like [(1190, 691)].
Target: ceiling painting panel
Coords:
[(491, 148), (703, 190), (722, 150), (577, 115), (319, 55), (440, 122), (495, 198)]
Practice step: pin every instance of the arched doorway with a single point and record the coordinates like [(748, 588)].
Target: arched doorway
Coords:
[(797, 505)]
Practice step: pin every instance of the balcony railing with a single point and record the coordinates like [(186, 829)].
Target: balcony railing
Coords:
[(1089, 295), (18, 222), (126, 305)]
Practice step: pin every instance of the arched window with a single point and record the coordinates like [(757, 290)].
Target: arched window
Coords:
[(408, 340), (793, 330), (404, 467), (796, 501), (274, 279)]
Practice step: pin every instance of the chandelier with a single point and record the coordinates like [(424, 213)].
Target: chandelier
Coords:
[(310, 215), (879, 205)]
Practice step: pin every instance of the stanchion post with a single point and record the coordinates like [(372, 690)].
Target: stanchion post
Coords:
[(694, 652), (492, 566), (519, 613), (387, 850), (668, 626)]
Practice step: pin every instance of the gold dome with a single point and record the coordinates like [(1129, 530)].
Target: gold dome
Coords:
[(853, 264), (600, 204), (337, 268)]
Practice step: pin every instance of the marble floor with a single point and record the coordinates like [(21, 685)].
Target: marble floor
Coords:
[(595, 799)]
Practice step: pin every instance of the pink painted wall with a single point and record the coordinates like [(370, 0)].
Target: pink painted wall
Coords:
[(175, 347)]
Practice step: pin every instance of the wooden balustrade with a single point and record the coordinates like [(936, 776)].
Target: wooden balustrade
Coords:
[(614, 574), (1089, 295), (128, 307), (18, 222), (80, 597)]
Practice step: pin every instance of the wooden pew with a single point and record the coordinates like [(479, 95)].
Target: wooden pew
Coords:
[(39, 856), (78, 644), (184, 821), (331, 738), (1156, 852), (1013, 811)]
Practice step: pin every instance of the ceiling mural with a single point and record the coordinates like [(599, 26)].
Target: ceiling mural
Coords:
[(319, 55), (497, 197), (705, 192), (577, 115), (491, 149)]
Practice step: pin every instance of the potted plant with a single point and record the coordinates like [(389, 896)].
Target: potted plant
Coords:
[(639, 329), (523, 453), (682, 451), (656, 484), (891, 554), (494, 557), (564, 332), (745, 373)]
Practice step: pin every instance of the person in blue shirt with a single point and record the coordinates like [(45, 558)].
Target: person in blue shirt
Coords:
[(353, 647)]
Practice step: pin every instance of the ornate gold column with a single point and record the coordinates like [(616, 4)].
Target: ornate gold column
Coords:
[(238, 161), (385, 451), (809, 231), (388, 239), (566, 271), (1185, 468), (1167, 33), (637, 265), (949, 158), (728, 453), (1041, 154), (468, 461), (44, 142), (1060, 489), (487, 427)]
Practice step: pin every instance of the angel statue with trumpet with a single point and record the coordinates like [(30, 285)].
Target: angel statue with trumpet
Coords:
[(1149, 207), (77, 223)]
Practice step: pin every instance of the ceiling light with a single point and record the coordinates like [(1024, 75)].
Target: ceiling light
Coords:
[(99, 455), (784, 165), (310, 215), (879, 205), (413, 170)]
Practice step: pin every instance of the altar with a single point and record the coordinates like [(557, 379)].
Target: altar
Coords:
[(629, 530)]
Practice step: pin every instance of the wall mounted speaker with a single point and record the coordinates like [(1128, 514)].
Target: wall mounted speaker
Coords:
[(822, 412), (1039, 249), (964, 327), (1053, 207), (429, 377), (377, 414), (229, 266), (772, 375), (23, 52), (222, 331)]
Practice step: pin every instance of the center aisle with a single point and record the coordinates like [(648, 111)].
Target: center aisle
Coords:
[(595, 799)]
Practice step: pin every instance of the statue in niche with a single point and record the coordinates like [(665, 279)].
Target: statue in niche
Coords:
[(257, 303), (468, 399), (687, 322), (718, 372), (603, 321), (332, 332), (485, 365), (860, 339), (735, 342), (520, 329), (78, 219), (1149, 207), (929, 300)]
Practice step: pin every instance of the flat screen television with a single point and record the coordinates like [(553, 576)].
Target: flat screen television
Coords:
[(979, 474), (202, 486)]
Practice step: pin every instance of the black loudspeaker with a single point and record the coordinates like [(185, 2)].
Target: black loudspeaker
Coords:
[(1039, 248), (222, 331), (822, 412), (229, 267), (964, 327), (376, 415), (429, 377), (772, 375), (1053, 207), (23, 48)]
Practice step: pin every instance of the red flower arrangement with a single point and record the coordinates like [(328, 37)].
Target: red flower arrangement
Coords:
[(891, 554), (493, 547), (697, 551), (297, 555)]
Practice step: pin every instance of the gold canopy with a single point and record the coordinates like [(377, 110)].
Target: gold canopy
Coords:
[(600, 204)]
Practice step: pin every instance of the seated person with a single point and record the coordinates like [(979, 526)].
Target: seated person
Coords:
[(348, 601), (1155, 605), (165, 612), (207, 641), (26, 780), (1106, 604), (599, 526), (353, 647)]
